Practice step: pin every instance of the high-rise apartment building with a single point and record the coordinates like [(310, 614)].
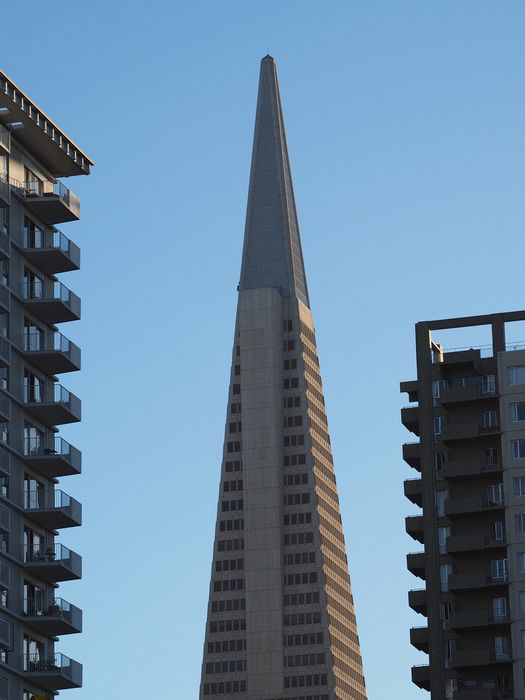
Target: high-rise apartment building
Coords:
[(34, 152), (469, 415), (280, 622)]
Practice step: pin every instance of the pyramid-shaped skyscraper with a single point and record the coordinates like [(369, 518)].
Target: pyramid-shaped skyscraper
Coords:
[(281, 622)]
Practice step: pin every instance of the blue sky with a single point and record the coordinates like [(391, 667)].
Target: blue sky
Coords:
[(405, 129)]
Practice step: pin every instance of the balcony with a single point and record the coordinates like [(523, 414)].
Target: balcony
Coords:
[(52, 563), (467, 468), (468, 505), (51, 403), (417, 600), (5, 407), (466, 432), (472, 581), (5, 191), (51, 251), (5, 352), (421, 677), (5, 462), (477, 657), (4, 519), (410, 418), (5, 141), (51, 352), (51, 301), (416, 564), (5, 299), (461, 358), (460, 544), (51, 457), (414, 491), (483, 694), (51, 202), (52, 509), (52, 620), (419, 638), (474, 619), (412, 454), (456, 395), (414, 527), (411, 388), (52, 672)]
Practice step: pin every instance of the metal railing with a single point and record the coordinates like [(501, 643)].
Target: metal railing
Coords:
[(42, 188), (44, 500), (50, 290), (38, 341), (46, 239), (46, 393), (47, 553), (45, 447), (33, 607), (47, 663)]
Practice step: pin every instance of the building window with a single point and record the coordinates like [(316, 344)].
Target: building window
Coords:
[(501, 647), (496, 532), (445, 571), (491, 456), (516, 375), (441, 497), (498, 569), (499, 609), (521, 597), (521, 561), (490, 419), (517, 411), (439, 461), (518, 485), (495, 495), (443, 535), (451, 685), (488, 384), (436, 391), (519, 523), (518, 449), (522, 635), (438, 425)]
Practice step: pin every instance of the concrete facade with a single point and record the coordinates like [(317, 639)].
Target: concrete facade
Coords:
[(34, 152), (468, 411), (281, 622)]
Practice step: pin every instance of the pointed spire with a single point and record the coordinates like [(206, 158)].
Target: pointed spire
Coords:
[(272, 255)]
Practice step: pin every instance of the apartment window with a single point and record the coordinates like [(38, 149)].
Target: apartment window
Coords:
[(517, 411), (436, 391), (448, 649), (516, 375), (441, 497), (488, 384), (439, 461), (496, 531), (491, 456), (519, 523), (522, 635), (501, 647), (33, 184), (446, 610), (521, 599), (438, 425), (520, 558), (498, 569), (443, 535), (499, 609), (4, 687), (518, 485), (495, 494), (451, 686), (490, 419), (445, 571), (518, 449)]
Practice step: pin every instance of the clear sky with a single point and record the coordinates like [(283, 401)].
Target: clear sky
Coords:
[(405, 129)]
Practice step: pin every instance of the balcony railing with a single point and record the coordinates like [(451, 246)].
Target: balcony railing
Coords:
[(51, 351), (52, 402), (53, 509), (54, 562), (52, 300), (53, 202), (53, 671), (51, 250), (59, 611)]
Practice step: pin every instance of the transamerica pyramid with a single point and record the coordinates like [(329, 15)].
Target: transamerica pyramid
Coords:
[(281, 622)]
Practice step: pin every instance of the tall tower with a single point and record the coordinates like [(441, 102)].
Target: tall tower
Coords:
[(281, 622), (34, 153)]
